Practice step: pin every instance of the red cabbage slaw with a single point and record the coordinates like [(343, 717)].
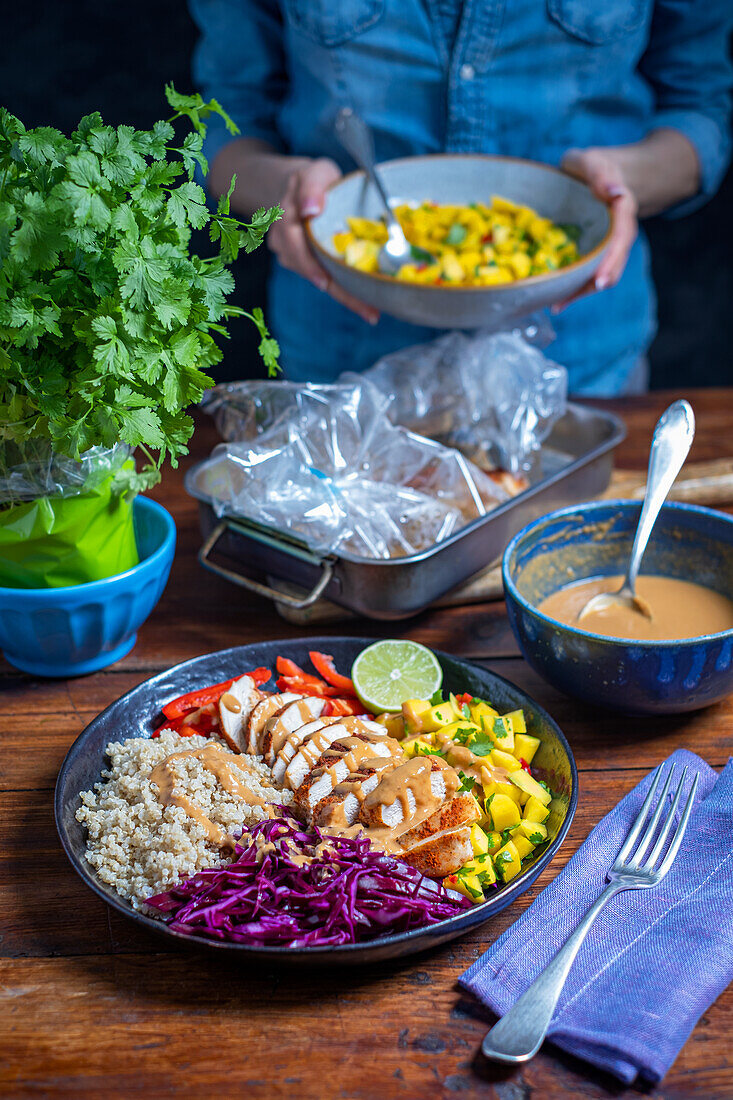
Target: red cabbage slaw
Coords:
[(349, 893)]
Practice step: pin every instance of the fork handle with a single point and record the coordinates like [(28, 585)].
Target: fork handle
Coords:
[(519, 1034)]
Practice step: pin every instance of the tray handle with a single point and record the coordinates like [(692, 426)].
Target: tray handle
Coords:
[(265, 590)]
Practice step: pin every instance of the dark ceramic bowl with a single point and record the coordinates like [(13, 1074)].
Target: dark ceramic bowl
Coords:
[(137, 713), (592, 540)]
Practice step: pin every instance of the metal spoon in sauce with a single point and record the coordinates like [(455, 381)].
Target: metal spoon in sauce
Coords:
[(356, 138), (671, 443)]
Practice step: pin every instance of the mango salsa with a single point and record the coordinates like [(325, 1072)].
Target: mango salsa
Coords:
[(492, 753), (477, 245)]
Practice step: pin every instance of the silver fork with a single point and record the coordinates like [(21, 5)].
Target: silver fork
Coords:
[(519, 1034)]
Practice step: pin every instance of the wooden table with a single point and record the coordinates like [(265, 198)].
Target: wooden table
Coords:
[(92, 1006)]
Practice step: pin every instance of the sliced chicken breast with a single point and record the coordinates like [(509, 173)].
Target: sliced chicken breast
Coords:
[(293, 743), (265, 710), (462, 809), (340, 760), (235, 708), (308, 753), (442, 854), (341, 808), (292, 716), (395, 805)]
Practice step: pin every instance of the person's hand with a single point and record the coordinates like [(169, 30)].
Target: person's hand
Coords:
[(603, 173), (304, 196)]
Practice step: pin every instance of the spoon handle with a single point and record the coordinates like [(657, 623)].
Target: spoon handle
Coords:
[(356, 138), (672, 440)]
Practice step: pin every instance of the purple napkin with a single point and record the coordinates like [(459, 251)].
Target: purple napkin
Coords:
[(654, 960)]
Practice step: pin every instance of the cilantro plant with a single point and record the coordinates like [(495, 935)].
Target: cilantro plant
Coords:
[(108, 320)]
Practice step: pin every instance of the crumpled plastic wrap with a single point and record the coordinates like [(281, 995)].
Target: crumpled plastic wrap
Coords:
[(326, 465), (34, 469), (493, 395)]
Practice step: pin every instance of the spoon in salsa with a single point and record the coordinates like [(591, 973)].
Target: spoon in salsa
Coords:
[(671, 443), (356, 138)]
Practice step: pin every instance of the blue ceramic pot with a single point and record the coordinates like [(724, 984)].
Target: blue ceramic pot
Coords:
[(85, 627), (688, 542)]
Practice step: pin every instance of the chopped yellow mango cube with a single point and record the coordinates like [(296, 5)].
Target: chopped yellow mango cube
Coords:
[(526, 746), (530, 786), (414, 711), (533, 830), (504, 813), (479, 841), (508, 862), (535, 810), (504, 760)]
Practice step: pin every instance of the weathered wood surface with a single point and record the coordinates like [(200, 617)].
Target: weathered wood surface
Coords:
[(93, 1006)]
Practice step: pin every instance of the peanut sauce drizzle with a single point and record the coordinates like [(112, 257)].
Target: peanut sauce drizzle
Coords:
[(280, 731), (219, 762)]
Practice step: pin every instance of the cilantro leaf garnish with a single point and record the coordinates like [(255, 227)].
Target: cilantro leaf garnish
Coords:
[(467, 782), (500, 730), (482, 746)]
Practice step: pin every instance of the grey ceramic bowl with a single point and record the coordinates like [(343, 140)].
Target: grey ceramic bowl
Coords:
[(137, 714), (463, 179), (592, 540)]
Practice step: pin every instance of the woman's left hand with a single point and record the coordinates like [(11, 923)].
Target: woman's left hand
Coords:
[(603, 173)]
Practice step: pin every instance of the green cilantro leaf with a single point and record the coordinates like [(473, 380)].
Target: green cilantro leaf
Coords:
[(108, 320), (467, 782)]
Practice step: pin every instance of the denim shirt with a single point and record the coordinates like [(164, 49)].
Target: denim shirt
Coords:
[(526, 78)]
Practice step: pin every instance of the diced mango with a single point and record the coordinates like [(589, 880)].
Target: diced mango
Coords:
[(413, 713), (523, 845), (529, 784), (503, 759), (494, 841), (500, 732), (519, 725), (482, 710), (442, 714), (503, 812), (454, 727), (508, 862), (469, 885), (394, 725), (479, 841), (482, 867), (417, 746), (535, 811), (525, 746), (507, 789), (533, 830)]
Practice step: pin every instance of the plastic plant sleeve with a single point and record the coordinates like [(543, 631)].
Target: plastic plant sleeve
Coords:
[(63, 522)]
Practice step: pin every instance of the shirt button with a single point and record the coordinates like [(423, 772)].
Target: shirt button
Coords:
[(467, 72)]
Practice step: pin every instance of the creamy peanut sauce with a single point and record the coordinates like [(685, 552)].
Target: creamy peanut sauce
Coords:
[(353, 752), (280, 730), (410, 779), (230, 702), (219, 762), (680, 609)]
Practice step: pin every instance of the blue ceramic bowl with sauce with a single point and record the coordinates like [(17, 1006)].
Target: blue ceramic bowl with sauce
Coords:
[(636, 677), (84, 627)]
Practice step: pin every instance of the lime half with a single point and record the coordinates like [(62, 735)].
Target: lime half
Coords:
[(387, 673)]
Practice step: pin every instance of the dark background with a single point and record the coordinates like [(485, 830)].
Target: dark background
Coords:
[(61, 60)]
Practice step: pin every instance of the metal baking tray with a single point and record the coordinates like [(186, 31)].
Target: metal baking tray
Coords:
[(574, 464)]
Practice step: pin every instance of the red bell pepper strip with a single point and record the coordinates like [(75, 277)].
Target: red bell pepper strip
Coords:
[(192, 700), (323, 664), (306, 685), (286, 667), (341, 708)]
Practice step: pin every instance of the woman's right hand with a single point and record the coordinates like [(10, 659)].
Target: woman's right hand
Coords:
[(304, 197)]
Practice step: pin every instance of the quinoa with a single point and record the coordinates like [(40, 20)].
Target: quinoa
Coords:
[(140, 847)]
